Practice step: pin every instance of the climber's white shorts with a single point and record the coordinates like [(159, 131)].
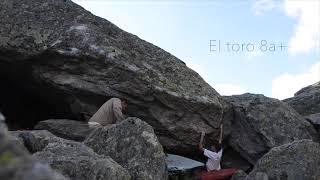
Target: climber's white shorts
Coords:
[(94, 124)]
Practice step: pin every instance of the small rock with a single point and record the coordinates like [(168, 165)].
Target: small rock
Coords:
[(66, 129), (35, 140)]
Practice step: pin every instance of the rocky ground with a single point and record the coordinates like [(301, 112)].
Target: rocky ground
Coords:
[(59, 63)]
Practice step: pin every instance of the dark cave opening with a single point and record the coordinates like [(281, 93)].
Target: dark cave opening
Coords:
[(24, 101), (22, 109)]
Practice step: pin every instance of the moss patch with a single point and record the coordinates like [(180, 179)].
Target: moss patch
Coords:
[(6, 158)]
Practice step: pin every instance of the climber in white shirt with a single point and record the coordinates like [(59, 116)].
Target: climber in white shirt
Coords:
[(214, 155)]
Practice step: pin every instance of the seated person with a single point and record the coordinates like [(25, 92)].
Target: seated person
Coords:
[(214, 154), (110, 112)]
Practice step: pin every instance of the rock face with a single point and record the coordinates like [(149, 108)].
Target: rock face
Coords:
[(261, 123), (133, 144), (34, 141), (72, 159), (66, 129), (233, 159), (74, 61), (17, 164), (307, 100), (314, 119), (295, 161)]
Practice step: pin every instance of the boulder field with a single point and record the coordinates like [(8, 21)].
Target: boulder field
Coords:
[(59, 63)]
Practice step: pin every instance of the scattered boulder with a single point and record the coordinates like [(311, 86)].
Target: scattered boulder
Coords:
[(66, 129), (60, 53), (17, 164), (79, 162), (314, 119), (74, 61), (261, 123), (133, 144), (306, 101), (72, 159), (295, 161), (35, 140)]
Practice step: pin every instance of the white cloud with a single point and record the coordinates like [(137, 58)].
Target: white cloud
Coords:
[(199, 69), (307, 31), (262, 6), (229, 89), (285, 85), (223, 89)]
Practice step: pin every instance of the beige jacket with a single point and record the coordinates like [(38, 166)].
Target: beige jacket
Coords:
[(109, 113)]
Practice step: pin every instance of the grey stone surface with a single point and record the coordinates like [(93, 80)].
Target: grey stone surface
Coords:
[(17, 164), (66, 129), (307, 100), (261, 123), (79, 162), (133, 144), (72, 159), (314, 119), (233, 159), (295, 161), (75, 61), (35, 140)]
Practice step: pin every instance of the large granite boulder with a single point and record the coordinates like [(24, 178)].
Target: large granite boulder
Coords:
[(262, 123), (17, 164), (74, 61), (295, 161), (307, 100), (66, 129), (133, 144), (72, 159)]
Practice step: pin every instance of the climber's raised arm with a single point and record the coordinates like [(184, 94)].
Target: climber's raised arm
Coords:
[(200, 146), (221, 134)]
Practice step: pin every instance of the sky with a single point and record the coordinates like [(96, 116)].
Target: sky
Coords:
[(269, 47)]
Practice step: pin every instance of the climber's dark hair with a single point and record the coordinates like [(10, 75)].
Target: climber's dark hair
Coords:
[(124, 100)]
